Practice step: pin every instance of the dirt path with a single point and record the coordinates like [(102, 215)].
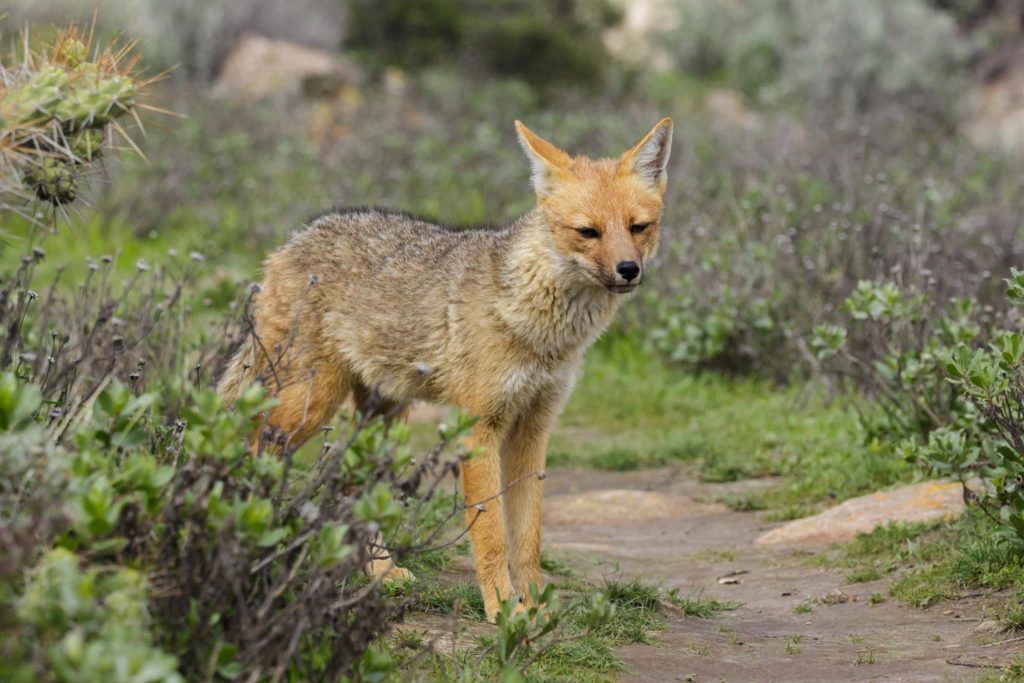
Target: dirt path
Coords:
[(653, 525)]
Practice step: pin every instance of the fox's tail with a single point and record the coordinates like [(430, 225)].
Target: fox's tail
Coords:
[(239, 372)]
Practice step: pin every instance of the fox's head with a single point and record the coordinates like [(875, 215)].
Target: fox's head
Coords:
[(603, 214)]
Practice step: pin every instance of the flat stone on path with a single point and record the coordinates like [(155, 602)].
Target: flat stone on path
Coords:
[(614, 506), (924, 502)]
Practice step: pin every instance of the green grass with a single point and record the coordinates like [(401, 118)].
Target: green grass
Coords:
[(983, 561), (556, 565), (1011, 673), (433, 596), (1013, 614), (630, 411), (583, 659), (788, 512), (894, 541), (864, 575), (922, 588), (637, 612), (638, 615), (698, 605), (932, 562), (959, 557)]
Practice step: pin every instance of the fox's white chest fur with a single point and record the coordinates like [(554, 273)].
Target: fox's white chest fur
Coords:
[(548, 306)]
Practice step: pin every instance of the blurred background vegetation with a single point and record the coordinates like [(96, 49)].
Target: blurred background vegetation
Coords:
[(844, 211)]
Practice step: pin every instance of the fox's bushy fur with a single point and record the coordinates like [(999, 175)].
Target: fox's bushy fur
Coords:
[(377, 304)]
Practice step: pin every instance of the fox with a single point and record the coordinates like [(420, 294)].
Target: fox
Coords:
[(380, 305)]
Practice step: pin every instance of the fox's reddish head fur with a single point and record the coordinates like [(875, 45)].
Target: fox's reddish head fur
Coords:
[(603, 214)]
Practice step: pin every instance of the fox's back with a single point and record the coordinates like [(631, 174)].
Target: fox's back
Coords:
[(384, 290)]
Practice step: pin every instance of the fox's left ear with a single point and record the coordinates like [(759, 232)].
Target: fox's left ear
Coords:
[(650, 156)]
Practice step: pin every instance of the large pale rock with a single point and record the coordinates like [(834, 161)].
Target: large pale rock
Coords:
[(923, 502), (727, 109), (633, 39), (998, 120), (260, 67), (615, 506), (427, 412)]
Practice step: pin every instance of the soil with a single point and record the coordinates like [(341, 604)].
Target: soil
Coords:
[(695, 544), (659, 526)]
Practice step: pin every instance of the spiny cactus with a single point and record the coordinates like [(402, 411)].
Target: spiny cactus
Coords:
[(59, 109)]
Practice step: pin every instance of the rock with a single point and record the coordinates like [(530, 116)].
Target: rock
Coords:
[(634, 38), (988, 626), (426, 412), (727, 109), (260, 67), (613, 506), (923, 502), (442, 633), (998, 120)]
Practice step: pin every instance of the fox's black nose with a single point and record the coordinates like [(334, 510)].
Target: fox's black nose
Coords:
[(628, 270)]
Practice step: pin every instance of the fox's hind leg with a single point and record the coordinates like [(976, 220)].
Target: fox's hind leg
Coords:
[(372, 404), (309, 396)]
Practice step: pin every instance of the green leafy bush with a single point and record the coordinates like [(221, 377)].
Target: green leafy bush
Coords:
[(156, 544), (897, 345), (85, 625), (133, 498), (830, 57), (952, 402), (406, 33), (990, 447), (546, 43)]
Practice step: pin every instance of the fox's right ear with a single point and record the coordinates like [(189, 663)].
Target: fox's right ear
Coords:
[(546, 160)]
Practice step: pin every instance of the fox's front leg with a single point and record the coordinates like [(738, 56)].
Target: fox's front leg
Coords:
[(481, 482), (522, 460)]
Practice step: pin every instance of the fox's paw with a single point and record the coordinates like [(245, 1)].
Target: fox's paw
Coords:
[(388, 571), (492, 616), (397, 574)]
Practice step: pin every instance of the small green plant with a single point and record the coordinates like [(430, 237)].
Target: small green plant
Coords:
[(556, 565), (864, 575), (85, 624), (696, 604), (1012, 619), (637, 611), (893, 349), (922, 587)]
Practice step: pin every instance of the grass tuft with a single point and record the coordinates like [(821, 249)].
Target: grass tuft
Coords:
[(698, 605), (555, 565), (637, 611), (436, 597), (864, 575)]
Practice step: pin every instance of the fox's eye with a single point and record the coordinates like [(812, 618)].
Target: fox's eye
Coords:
[(638, 228), (589, 233)]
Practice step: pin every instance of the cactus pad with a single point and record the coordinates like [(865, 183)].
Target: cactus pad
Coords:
[(59, 108)]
